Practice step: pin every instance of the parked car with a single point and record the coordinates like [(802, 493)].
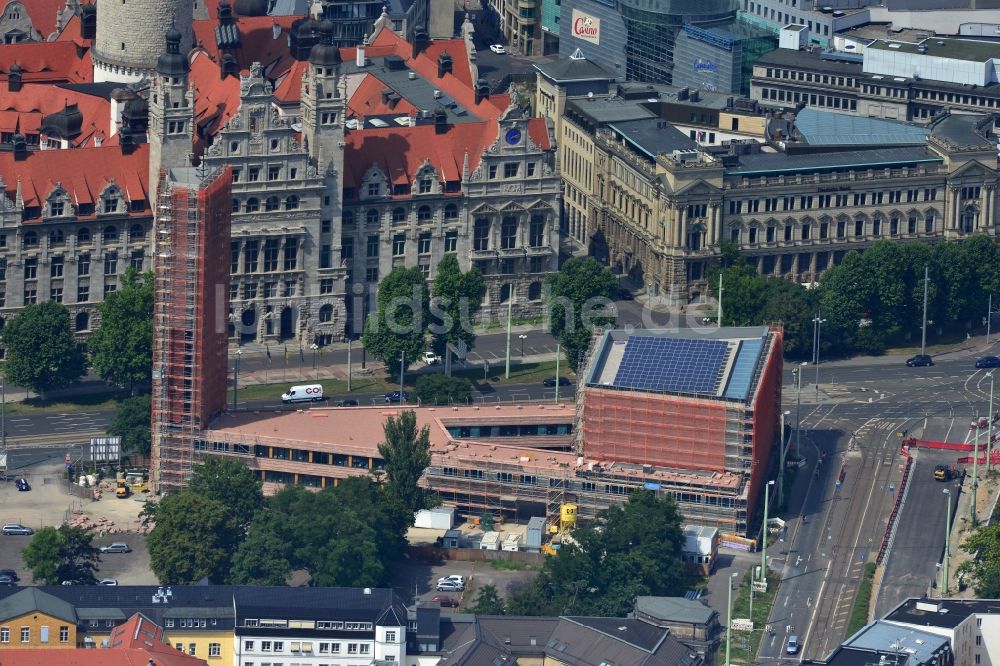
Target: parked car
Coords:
[(499, 49), (919, 361), (988, 362), (445, 601), (9, 573), (449, 586), (430, 358), (454, 578), (551, 382), (116, 547), (394, 396), (108, 582), (16, 529), (22, 485), (6, 580), (792, 646)]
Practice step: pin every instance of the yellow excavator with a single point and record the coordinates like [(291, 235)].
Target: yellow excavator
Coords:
[(122, 491)]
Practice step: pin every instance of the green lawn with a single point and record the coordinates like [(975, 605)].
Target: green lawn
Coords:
[(762, 603), (83, 403), (859, 614)]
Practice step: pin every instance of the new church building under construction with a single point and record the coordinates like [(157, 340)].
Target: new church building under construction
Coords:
[(692, 413)]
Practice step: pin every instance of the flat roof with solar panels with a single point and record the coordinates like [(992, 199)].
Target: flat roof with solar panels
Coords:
[(709, 363)]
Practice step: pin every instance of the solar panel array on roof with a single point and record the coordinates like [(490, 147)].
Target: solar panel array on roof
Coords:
[(743, 369), (671, 364)]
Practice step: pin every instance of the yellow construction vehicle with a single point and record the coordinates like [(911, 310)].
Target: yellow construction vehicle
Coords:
[(137, 479), (122, 491)]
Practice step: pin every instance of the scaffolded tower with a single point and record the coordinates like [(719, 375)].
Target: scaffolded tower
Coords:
[(192, 237)]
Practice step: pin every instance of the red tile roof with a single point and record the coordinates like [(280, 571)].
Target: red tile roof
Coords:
[(23, 110), (539, 133), (367, 101), (38, 173), (48, 61), (400, 151), (43, 14), (257, 42), (216, 100), (289, 88)]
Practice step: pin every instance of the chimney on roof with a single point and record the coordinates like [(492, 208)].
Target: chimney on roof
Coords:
[(444, 65), (225, 13), (419, 42), (229, 66), (359, 57), (482, 90), (440, 121), (20, 146), (88, 21), (14, 78), (695, 96)]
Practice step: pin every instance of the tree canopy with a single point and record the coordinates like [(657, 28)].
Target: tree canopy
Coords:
[(64, 553), (41, 352), (121, 349), (406, 452), (488, 602), (194, 538), (578, 300), (456, 300), (983, 570), (399, 324), (636, 551), (131, 422), (341, 536), (231, 483), (439, 389)]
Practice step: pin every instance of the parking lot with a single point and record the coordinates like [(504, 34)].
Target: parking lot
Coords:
[(418, 579), (49, 503)]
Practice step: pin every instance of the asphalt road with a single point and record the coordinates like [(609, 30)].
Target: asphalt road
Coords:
[(854, 422)]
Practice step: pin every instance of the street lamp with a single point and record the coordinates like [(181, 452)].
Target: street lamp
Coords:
[(729, 615), (781, 457), (975, 471), (236, 375), (522, 338), (797, 376), (817, 332), (314, 347), (947, 545), (989, 426), (763, 532)]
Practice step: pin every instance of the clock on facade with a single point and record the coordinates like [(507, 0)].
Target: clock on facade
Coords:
[(513, 136)]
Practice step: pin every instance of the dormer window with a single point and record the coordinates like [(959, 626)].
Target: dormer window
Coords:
[(374, 189), (56, 209), (424, 186), (111, 204)]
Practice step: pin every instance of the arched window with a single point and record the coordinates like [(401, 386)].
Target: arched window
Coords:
[(110, 234), (253, 205), (505, 292), (30, 239), (451, 212), (399, 214), (371, 217), (424, 214), (326, 314), (82, 321), (272, 203), (56, 237), (292, 202), (535, 291), (83, 235), (137, 233)]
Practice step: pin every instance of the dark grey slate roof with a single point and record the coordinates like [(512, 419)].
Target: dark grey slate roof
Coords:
[(959, 130), (878, 158), (653, 136), (30, 599), (574, 68), (633, 632), (674, 609), (318, 603), (520, 633)]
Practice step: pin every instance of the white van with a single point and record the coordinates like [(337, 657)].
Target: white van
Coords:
[(304, 393)]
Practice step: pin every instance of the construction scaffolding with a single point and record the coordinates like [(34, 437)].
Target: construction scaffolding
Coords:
[(191, 236)]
